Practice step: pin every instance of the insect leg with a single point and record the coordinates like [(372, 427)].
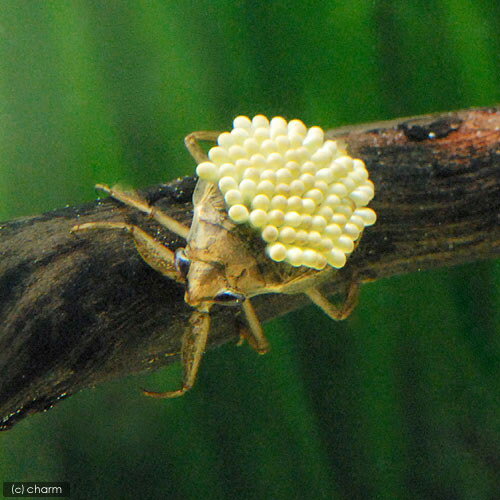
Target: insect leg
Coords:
[(336, 313), (133, 200), (193, 145), (255, 337), (158, 256), (193, 347)]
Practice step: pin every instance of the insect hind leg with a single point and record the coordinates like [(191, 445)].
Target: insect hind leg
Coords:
[(335, 312), (192, 142)]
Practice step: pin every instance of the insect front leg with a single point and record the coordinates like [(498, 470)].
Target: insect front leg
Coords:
[(133, 200), (336, 313), (156, 255), (192, 142), (194, 341)]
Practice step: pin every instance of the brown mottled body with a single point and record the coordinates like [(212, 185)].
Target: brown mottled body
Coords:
[(222, 263), (228, 256)]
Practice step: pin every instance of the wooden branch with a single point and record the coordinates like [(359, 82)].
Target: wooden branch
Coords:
[(77, 310)]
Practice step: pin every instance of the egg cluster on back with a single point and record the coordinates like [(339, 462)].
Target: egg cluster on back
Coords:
[(306, 197)]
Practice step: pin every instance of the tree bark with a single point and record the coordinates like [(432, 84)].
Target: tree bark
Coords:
[(77, 310)]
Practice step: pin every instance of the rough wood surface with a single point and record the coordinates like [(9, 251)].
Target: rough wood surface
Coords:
[(77, 310)]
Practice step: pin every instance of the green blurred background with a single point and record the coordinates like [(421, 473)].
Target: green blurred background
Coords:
[(401, 400)]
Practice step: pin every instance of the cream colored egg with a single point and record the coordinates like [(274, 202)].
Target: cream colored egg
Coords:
[(305, 196), (294, 256), (242, 122), (207, 171), (239, 213), (277, 251), (287, 234), (270, 233), (258, 218)]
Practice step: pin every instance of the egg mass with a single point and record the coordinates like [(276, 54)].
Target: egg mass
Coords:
[(291, 184)]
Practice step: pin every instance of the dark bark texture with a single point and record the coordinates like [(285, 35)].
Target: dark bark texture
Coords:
[(77, 310)]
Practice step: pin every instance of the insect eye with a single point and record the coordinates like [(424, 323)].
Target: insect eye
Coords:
[(182, 263), (228, 298)]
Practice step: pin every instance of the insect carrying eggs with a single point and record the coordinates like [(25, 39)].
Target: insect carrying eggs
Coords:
[(306, 197)]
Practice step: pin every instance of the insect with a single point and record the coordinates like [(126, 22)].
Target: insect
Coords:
[(277, 209)]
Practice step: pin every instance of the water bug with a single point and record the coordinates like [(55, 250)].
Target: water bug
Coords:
[(277, 209)]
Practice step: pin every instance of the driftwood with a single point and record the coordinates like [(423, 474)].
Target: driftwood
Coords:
[(77, 310)]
